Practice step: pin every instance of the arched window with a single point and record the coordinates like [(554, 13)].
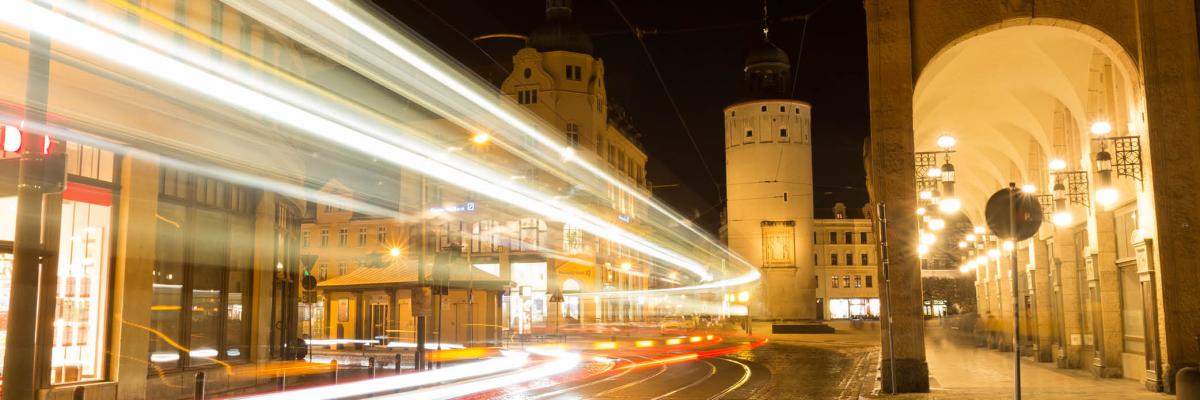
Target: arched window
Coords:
[(571, 285)]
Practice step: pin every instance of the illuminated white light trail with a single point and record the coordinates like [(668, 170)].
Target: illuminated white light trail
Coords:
[(563, 363), (412, 55), (134, 56), (510, 361)]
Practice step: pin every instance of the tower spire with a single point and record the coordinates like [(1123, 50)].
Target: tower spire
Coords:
[(766, 30)]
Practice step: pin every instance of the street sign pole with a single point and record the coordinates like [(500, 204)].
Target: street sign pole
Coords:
[(1012, 229), (1016, 216)]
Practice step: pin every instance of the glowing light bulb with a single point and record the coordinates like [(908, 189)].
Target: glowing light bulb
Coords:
[(920, 210), (1058, 164), (946, 142), (1100, 128), (395, 252), (993, 253), (928, 238), (1029, 188), (937, 224), (979, 230), (971, 237), (481, 138), (925, 195), (962, 244), (1107, 196), (934, 172), (1008, 245), (922, 250), (950, 205), (1061, 218)]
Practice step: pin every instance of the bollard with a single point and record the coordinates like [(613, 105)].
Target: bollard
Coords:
[(333, 366), (78, 394), (399, 359), (199, 395), (371, 368)]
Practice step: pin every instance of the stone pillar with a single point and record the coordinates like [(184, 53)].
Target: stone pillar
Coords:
[(1039, 290), (1107, 281), (133, 283), (1067, 271), (1171, 72), (893, 184)]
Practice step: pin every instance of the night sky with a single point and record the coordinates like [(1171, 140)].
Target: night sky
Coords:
[(699, 50)]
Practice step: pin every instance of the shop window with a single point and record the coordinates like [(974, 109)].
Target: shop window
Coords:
[(362, 237), (202, 279), (81, 304)]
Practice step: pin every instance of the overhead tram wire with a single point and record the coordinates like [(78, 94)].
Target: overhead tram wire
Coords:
[(803, 34), (674, 107)]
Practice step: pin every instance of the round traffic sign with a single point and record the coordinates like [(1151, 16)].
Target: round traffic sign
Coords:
[(1027, 209)]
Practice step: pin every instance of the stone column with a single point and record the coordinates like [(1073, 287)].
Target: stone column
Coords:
[(1107, 281), (1171, 72), (1040, 290), (1068, 273), (133, 283), (893, 184)]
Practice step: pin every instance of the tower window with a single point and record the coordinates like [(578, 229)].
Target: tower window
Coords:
[(764, 108), (528, 73), (782, 109), (797, 111), (783, 132), (578, 73), (749, 133), (733, 113)]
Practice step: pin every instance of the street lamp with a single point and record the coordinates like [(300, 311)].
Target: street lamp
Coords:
[(1062, 215), (1106, 194), (946, 142), (394, 252), (481, 138), (937, 224), (950, 203)]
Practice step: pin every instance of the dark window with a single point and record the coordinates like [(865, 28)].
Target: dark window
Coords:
[(816, 260), (528, 73), (814, 238), (797, 111), (764, 108), (381, 235), (849, 259), (849, 237), (570, 73), (578, 73), (782, 109), (832, 237), (865, 259), (833, 259), (749, 133), (869, 281), (783, 132), (862, 237)]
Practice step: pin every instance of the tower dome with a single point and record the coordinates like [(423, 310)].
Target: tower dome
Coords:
[(558, 33), (767, 71)]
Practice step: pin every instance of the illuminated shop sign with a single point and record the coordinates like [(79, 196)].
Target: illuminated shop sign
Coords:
[(457, 208)]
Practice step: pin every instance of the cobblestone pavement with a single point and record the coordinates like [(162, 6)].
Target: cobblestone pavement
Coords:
[(821, 366)]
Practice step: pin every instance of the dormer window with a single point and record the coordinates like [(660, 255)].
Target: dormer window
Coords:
[(527, 96), (574, 73)]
